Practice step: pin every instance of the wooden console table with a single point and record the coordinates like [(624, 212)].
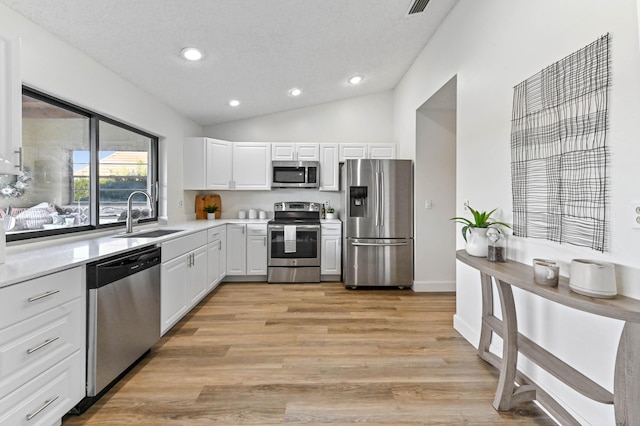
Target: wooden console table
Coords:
[(513, 386)]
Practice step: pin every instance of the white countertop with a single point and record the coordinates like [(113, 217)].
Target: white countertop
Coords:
[(27, 260)]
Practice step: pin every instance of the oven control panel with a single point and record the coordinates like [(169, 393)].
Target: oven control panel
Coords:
[(296, 206)]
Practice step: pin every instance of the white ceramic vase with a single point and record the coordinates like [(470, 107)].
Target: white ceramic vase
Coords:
[(476, 242), (211, 216)]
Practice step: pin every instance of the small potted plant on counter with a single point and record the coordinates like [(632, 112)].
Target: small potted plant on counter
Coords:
[(476, 244), (331, 213), (211, 210)]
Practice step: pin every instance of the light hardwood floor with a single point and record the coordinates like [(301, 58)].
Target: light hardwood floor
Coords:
[(267, 354)]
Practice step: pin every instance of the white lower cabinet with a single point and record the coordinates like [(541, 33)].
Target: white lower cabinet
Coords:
[(217, 256), (236, 249), (331, 251), (247, 249), (42, 348), (256, 249), (183, 277)]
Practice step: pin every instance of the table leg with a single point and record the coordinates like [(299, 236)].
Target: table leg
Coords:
[(508, 393), (487, 312), (626, 381)]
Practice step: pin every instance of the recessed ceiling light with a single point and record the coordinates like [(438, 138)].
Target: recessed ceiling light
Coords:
[(356, 79), (191, 53), (234, 102), (295, 92)]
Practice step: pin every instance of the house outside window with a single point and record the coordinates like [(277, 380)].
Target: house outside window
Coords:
[(78, 171)]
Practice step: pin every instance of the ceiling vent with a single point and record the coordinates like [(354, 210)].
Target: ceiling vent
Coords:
[(417, 6)]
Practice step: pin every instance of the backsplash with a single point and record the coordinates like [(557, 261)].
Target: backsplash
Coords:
[(234, 201)]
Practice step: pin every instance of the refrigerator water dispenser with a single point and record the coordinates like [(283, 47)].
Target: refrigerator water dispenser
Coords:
[(357, 201)]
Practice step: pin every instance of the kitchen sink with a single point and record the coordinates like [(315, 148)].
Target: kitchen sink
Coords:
[(149, 234)]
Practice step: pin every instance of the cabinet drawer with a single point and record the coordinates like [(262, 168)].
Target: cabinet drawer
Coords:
[(215, 233), (29, 298), (36, 344), (331, 229), (46, 398), (179, 246), (256, 229)]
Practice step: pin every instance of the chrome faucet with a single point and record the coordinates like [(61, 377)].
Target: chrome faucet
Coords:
[(129, 221)]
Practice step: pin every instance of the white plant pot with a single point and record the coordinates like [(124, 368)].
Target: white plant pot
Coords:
[(476, 242), (211, 216), (331, 215)]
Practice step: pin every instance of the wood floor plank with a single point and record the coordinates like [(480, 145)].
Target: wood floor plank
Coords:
[(267, 354)]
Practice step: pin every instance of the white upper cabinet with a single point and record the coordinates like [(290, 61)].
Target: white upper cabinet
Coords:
[(351, 151), (207, 163), (379, 151), (382, 151), (284, 151), (210, 164), (329, 167), (10, 105), (251, 166)]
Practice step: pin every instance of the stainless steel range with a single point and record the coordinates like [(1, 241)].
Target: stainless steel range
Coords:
[(294, 243)]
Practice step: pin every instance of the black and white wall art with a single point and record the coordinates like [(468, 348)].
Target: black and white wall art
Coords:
[(559, 155)]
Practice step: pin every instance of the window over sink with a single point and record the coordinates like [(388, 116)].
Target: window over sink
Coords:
[(78, 171)]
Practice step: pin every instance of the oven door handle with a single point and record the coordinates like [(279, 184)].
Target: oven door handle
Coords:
[(379, 244), (297, 226)]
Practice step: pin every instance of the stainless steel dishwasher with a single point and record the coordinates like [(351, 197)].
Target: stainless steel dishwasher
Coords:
[(123, 316)]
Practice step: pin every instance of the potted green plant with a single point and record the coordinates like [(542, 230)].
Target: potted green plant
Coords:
[(211, 210), (331, 213), (476, 244)]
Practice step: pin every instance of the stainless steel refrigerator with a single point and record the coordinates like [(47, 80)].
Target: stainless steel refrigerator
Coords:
[(378, 223)]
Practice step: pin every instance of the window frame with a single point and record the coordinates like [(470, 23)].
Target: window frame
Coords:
[(94, 148)]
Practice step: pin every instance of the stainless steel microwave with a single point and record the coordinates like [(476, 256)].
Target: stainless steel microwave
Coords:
[(295, 174)]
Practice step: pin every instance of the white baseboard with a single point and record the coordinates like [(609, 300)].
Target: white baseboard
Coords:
[(434, 286), (466, 331)]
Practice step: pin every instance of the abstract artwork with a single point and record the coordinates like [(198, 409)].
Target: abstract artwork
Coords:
[(559, 155)]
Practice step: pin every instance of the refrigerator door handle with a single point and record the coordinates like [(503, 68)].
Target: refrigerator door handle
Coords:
[(379, 244), (380, 200)]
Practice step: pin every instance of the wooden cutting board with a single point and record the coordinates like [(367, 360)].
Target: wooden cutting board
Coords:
[(205, 200)]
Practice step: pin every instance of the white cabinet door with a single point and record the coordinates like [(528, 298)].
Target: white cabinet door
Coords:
[(283, 151), (251, 166), (197, 276), (307, 152), (219, 172), (350, 151), (223, 253), (207, 163), (330, 262), (236, 250), (174, 278), (10, 104), (286, 151), (382, 151), (329, 167), (213, 267), (256, 255)]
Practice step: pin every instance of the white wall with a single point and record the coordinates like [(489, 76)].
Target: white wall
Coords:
[(52, 66), (491, 46), (361, 119), (435, 182)]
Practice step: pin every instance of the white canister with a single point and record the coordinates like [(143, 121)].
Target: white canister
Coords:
[(263, 214), (593, 278), (253, 214), (242, 214)]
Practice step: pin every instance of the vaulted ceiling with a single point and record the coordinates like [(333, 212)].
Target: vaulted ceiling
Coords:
[(255, 51)]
